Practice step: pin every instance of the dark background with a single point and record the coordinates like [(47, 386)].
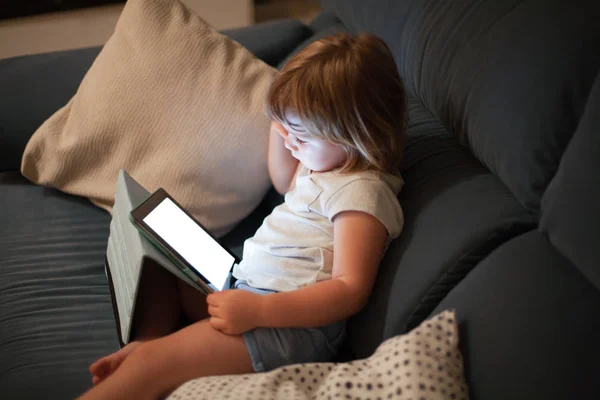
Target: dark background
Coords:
[(13, 9)]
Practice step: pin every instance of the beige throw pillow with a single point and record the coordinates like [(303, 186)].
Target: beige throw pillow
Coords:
[(422, 364), (175, 104)]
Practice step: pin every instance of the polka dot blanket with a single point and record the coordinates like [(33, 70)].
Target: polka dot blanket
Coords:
[(422, 364)]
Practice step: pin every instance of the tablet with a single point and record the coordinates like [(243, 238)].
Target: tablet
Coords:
[(185, 241)]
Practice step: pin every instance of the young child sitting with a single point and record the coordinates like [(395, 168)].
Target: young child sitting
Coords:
[(338, 111)]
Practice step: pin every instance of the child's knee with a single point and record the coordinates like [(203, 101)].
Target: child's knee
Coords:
[(144, 369), (150, 356)]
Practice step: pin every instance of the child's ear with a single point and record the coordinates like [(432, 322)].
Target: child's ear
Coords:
[(277, 127)]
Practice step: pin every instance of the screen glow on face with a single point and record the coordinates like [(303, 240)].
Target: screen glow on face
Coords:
[(192, 243)]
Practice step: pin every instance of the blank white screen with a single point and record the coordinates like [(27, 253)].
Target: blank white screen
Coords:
[(195, 245)]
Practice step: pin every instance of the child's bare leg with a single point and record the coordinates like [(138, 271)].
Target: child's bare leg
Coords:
[(159, 366), (158, 313)]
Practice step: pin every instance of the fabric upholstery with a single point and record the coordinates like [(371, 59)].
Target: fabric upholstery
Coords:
[(33, 88), (455, 212), (323, 21), (270, 41), (571, 206), (175, 104), (56, 314), (508, 77), (528, 323), (331, 27)]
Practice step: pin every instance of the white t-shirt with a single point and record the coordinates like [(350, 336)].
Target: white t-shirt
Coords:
[(294, 245)]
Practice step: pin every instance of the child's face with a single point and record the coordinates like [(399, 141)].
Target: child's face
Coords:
[(314, 153)]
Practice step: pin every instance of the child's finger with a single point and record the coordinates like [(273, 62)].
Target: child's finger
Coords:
[(213, 310), (215, 298), (96, 367), (217, 323)]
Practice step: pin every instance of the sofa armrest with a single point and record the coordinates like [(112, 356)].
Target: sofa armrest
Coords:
[(33, 88), (36, 86)]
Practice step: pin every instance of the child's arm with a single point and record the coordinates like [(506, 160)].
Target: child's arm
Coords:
[(359, 241), (282, 165)]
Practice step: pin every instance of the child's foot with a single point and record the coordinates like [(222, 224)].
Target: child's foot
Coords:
[(105, 366)]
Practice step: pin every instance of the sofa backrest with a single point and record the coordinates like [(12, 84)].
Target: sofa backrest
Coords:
[(571, 205), (512, 81), (510, 78)]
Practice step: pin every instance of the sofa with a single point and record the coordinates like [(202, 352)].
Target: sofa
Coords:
[(501, 200)]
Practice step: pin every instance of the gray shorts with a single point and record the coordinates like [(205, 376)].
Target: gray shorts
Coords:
[(272, 348)]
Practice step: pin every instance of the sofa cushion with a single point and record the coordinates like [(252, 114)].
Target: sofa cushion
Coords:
[(571, 205), (456, 212), (509, 77), (528, 322), (174, 103), (42, 83), (55, 309)]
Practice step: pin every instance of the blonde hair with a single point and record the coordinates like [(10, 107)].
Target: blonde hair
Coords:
[(346, 89)]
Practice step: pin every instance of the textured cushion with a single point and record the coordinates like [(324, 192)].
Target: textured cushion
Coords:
[(509, 77), (174, 103), (56, 315), (571, 206), (40, 84), (456, 212), (425, 363), (528, 322)]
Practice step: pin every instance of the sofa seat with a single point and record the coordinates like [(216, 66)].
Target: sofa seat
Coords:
[(55, 306), (56, 313)]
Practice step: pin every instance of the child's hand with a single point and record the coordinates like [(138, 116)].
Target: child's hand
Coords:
[(234, 311)]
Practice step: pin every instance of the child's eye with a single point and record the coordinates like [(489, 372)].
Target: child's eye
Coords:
[(298, 141)]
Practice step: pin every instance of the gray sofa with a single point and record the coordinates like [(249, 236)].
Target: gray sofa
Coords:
[(502, 200)]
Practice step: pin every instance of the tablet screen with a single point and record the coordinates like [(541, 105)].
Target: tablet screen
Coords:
[(192, 243)]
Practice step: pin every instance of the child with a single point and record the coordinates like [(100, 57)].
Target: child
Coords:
[(338, 112)]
